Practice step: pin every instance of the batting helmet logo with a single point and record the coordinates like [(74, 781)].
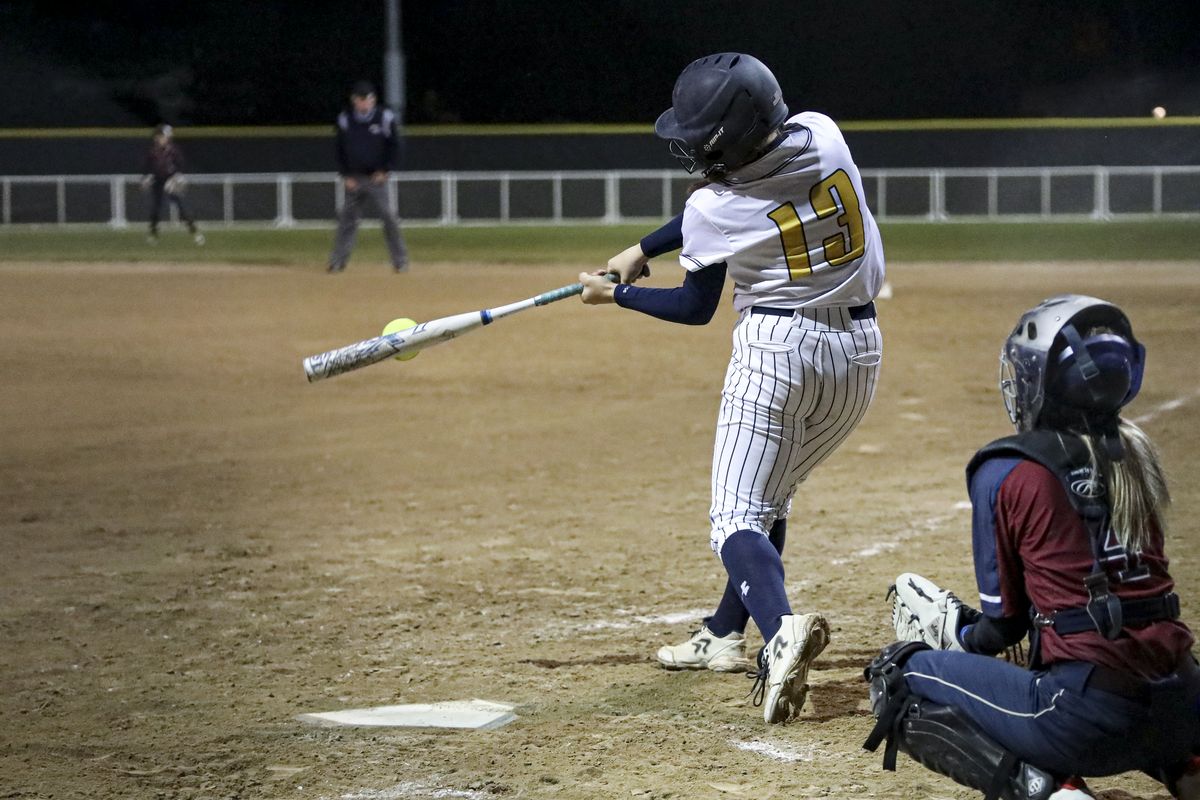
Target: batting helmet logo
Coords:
[(708, 146), (1088, 487)]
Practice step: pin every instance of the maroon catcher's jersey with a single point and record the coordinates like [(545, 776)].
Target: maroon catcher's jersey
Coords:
[(1032, 548)]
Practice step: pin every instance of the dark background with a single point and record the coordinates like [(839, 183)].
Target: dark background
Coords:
[(265, 62)]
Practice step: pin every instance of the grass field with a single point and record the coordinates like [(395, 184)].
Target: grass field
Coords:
[(1125, 241)]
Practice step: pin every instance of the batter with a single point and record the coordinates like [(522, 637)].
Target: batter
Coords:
[(782, 212)]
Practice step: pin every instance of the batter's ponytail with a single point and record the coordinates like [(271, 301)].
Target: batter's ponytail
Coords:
[(1137, 488)]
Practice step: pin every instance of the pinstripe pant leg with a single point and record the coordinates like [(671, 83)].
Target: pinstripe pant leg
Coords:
[(766, 387), (850, 360), (794, 390)]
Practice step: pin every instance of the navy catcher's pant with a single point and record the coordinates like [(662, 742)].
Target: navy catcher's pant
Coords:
[(1055, 720)]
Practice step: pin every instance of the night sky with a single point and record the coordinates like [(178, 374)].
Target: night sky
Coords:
[(265, 62)]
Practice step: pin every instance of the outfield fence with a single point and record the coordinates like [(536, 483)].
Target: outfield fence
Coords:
[(288, 200)]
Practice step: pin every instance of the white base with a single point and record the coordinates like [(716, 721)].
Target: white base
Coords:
[(473, 714)]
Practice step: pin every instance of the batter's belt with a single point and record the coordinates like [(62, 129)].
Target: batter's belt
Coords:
[(856, 312)]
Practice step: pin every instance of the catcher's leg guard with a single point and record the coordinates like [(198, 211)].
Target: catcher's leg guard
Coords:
[(946, 741), (943, 738), (889, 694)]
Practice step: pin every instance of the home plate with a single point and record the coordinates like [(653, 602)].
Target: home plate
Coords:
[(475, 714)]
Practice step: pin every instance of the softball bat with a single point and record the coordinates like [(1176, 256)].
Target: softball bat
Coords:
[(425, 335)]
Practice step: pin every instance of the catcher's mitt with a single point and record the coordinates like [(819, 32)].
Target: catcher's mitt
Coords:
[(924, 612), (176, 184)]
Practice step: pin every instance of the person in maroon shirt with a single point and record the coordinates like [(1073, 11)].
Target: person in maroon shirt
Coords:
[(1067, 536), (162, 177)]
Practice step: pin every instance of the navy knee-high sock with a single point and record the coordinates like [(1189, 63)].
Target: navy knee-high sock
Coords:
[(756, 569), (731, 615)]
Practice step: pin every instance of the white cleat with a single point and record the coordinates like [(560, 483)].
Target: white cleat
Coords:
[(198, 239), (784, 663), (706, 650)]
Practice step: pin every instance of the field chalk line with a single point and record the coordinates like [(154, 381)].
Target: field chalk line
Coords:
[(808, 753), (1166, 407), (412, 789)]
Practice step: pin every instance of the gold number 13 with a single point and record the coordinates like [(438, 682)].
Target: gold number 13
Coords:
[(832, 195)]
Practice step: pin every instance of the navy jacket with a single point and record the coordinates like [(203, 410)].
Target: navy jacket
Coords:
[(367, 145)]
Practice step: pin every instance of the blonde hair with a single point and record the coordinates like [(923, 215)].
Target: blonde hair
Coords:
[(1137, 487)]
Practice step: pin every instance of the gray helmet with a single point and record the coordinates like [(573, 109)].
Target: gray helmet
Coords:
[(1071, 358), (722, 109)]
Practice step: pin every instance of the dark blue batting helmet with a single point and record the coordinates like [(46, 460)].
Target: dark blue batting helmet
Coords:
[(723, 108)]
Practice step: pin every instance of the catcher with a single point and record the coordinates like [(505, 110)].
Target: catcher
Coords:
[(162, 176), (1068, 549)]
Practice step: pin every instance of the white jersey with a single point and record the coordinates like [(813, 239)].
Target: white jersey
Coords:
[(793, 226)]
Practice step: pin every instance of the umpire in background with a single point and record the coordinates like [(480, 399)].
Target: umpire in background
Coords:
[(367, 149)]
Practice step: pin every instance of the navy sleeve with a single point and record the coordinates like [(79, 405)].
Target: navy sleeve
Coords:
[(985, 486), (693, 303), (990, 635), (667, 238)]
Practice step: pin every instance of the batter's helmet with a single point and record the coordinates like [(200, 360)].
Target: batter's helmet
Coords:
[(722, 109), (1070, 357)]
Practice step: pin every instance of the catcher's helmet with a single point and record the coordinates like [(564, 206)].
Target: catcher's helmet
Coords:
[(1071, 356), (722, 109)]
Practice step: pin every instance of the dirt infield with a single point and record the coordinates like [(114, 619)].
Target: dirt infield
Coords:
[(198, 546)]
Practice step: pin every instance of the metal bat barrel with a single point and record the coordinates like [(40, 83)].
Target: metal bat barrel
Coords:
[(427, 334), (372, 351)]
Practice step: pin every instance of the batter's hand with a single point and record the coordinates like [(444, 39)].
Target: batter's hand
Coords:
[(630, 264), (597, 289), (378, 177), (351, 183)]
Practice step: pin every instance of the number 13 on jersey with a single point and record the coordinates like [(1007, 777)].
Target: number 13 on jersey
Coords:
[(833, 195)]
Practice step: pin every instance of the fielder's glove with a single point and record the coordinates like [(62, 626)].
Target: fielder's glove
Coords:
[(923, 612), (175, 184)]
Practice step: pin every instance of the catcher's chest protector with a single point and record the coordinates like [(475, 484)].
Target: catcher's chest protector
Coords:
[(1064, 455), (1067, 457)]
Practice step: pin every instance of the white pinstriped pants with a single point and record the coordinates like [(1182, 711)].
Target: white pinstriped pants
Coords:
[(795, 389)]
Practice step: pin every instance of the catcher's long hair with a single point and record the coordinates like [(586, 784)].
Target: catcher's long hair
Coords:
[(1137, 488)]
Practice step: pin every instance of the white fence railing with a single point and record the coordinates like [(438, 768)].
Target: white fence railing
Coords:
[(609, 197)]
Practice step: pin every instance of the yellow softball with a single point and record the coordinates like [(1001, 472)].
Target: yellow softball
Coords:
[(397, 325)]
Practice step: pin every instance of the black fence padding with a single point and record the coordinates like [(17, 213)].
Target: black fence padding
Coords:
[(875, 149)]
